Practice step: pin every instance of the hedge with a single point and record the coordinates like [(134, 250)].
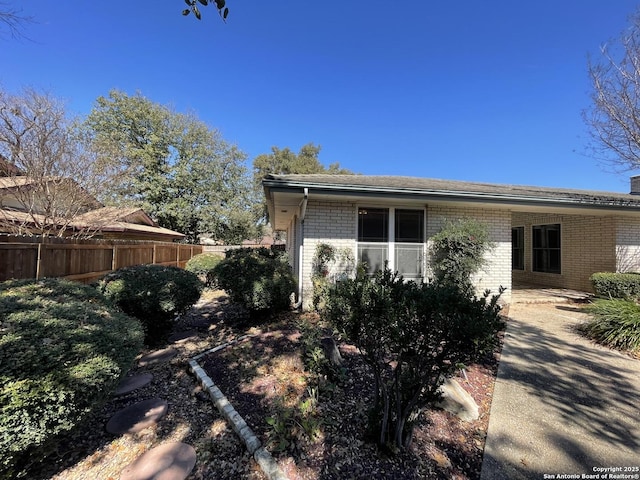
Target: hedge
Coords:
[(616, 285), (154, 294), (258, 279), (63, 350), (203, 265)]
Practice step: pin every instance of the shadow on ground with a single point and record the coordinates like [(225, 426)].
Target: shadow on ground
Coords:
[(561, 404)]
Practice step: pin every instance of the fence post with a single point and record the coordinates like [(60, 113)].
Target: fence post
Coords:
[(114, 257), (39, 260)]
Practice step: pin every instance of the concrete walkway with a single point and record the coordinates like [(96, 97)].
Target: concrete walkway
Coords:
[(561, 404)]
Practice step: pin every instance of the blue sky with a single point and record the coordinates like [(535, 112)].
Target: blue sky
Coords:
[(464, 90)]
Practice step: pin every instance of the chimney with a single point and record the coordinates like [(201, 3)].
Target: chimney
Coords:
[(635, 185)]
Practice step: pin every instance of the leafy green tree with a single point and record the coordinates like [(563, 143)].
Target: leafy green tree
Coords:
[(183, 173), (284, 161), (192, 7)]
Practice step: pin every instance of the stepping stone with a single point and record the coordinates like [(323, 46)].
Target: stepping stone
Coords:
[(169, 461), (137, 417), (159, 356), (129, 384), (182, 336), (202, 322)]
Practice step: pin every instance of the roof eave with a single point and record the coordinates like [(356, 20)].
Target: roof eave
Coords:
[(280, 185)]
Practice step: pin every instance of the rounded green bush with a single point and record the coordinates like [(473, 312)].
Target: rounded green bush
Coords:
[(203, 265), (154, 294), (63, 350), (258, 279), (616, 285)]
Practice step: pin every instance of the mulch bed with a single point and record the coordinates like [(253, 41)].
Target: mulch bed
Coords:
[(250, 374)]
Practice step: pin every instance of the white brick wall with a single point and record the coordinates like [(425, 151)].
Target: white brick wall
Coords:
[(497, 271), (589, 243), (326, 222), (628, 244), (335, 223)]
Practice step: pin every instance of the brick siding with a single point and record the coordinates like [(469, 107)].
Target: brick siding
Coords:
[(587, 246), (335, 223), (628, 244)]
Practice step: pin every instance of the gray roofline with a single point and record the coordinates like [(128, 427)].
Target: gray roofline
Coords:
[(615, 203)]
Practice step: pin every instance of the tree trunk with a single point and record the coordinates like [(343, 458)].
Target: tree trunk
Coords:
[(385, 414)]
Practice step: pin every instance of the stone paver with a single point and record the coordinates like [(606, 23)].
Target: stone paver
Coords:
[(159, 356), (180, 337), (137, 417), (169, 461), (129, 384), (561, 405)]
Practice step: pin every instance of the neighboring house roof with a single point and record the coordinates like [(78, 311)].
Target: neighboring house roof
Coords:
[(7, 168), (117, 214), (285, 193), (110, 227), (131, 223), (130, 220), (7, 184)]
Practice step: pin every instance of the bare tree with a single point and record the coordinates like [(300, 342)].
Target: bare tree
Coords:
[(48, 178), (12, 20), (614, 117)]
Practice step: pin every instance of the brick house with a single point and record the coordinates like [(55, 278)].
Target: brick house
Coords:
[(543, 236)]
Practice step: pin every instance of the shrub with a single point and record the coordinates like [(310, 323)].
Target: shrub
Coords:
[(63, 350), (258, 279), (329, 264), (203, 265), (616, 285), (154, 294), (458, 251), (615, 323), (412, 337)]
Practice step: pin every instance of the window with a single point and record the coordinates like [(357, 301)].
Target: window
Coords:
[(391, 235), (373, 235), (546, 248), (373, 225), (517, 248), (409, 242)]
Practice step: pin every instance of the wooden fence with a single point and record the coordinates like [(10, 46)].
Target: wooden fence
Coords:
[(84, 260), (221, 249)]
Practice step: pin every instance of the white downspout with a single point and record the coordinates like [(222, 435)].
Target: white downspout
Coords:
[(303, 211)]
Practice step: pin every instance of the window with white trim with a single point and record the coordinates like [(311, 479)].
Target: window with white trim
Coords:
[(393, 235)]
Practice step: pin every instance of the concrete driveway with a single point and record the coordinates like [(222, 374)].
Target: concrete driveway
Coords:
[(561, 405)]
